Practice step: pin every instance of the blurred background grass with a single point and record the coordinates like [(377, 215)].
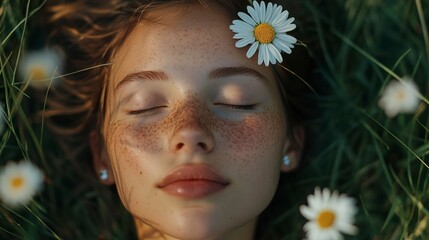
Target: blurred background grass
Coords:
[(358, 47)]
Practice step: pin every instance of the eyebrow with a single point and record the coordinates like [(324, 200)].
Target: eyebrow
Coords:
[(143, 75), (222, 72), (233, 71)]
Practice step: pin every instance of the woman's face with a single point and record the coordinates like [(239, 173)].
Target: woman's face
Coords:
[(194, 130)]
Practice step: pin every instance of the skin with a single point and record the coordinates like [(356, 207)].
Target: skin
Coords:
[(189, 119)]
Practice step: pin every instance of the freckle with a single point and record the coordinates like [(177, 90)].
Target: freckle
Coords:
[(141, 173)]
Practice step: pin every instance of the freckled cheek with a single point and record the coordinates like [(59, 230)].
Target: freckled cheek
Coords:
[(259, 135), (255, 146), (145, 138), (129, 146)]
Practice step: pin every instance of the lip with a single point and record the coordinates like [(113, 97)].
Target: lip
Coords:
[(193, 181)]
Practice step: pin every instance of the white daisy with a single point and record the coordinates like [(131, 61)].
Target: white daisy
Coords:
[(400, 97), (19, 182), (328, 215), (265, 27), (41, 67)]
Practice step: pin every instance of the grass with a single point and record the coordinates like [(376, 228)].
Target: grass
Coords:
[(358, 47)]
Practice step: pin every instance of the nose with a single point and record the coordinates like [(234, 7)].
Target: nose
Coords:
[(191, 137)]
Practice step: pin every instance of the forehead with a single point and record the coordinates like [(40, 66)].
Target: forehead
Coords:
[(177, 37)]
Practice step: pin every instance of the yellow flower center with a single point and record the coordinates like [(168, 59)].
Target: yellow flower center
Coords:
[(264, 33), (400, 95), (326, 219), (17, 182), (38, 73)]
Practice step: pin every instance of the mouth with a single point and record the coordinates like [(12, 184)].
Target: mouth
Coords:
[(193, 181)]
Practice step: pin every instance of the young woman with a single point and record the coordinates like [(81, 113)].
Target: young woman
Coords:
[(192, 130)]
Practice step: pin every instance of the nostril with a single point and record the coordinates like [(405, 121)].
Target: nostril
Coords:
[(179, 146), (202, 145)]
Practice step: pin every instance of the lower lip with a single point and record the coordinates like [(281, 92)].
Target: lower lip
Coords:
[(193, 188)]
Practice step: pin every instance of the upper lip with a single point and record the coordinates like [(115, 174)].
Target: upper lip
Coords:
[(193, 173)]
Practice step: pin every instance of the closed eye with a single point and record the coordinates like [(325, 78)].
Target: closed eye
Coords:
[(240, 107), (145, 110)]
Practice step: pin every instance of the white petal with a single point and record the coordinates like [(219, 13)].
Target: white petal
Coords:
[(285, 28), (307, 212), (241, 26), (260, 54), (317, 193), (275, 12), (282, 46), (266, 54), (281, 17), (326, 195), (287, 38), (243, 35), (335, 235), (252, 49), (243, 42), (262, 12), (275, 54), (253, 13), (347, 228), (313, 202), (248, 19), (269, 12), (310, 227), (290, 20)]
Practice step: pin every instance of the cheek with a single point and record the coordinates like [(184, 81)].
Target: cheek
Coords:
[(131, 150), (254, 153), (125, 138), (261, 134)]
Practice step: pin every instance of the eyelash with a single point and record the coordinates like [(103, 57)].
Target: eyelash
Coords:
[(240, 107), (141, 111), (233, 106)]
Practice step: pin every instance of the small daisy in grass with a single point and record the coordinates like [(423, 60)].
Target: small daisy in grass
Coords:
[(265, 28), (41, 67), (400, 97), (329, 215), (19, 182)]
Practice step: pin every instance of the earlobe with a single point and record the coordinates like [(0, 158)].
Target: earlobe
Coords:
[(100, 160), (293, 150)]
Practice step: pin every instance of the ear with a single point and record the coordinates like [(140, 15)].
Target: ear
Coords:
[(100, 159), (293, 149)]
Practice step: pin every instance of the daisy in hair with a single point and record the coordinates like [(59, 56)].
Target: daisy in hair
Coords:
[(265, 28)]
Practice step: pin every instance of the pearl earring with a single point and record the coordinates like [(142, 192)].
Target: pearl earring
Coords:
[(286, 160), (103, 174)]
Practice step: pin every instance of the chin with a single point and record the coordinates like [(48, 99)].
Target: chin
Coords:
[(199, 227), (196, 235), (199, 224)]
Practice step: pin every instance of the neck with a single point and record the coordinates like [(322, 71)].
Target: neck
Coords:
[(146, 232)]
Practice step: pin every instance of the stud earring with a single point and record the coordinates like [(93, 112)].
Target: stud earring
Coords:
[(286, 160), (103, 174)]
